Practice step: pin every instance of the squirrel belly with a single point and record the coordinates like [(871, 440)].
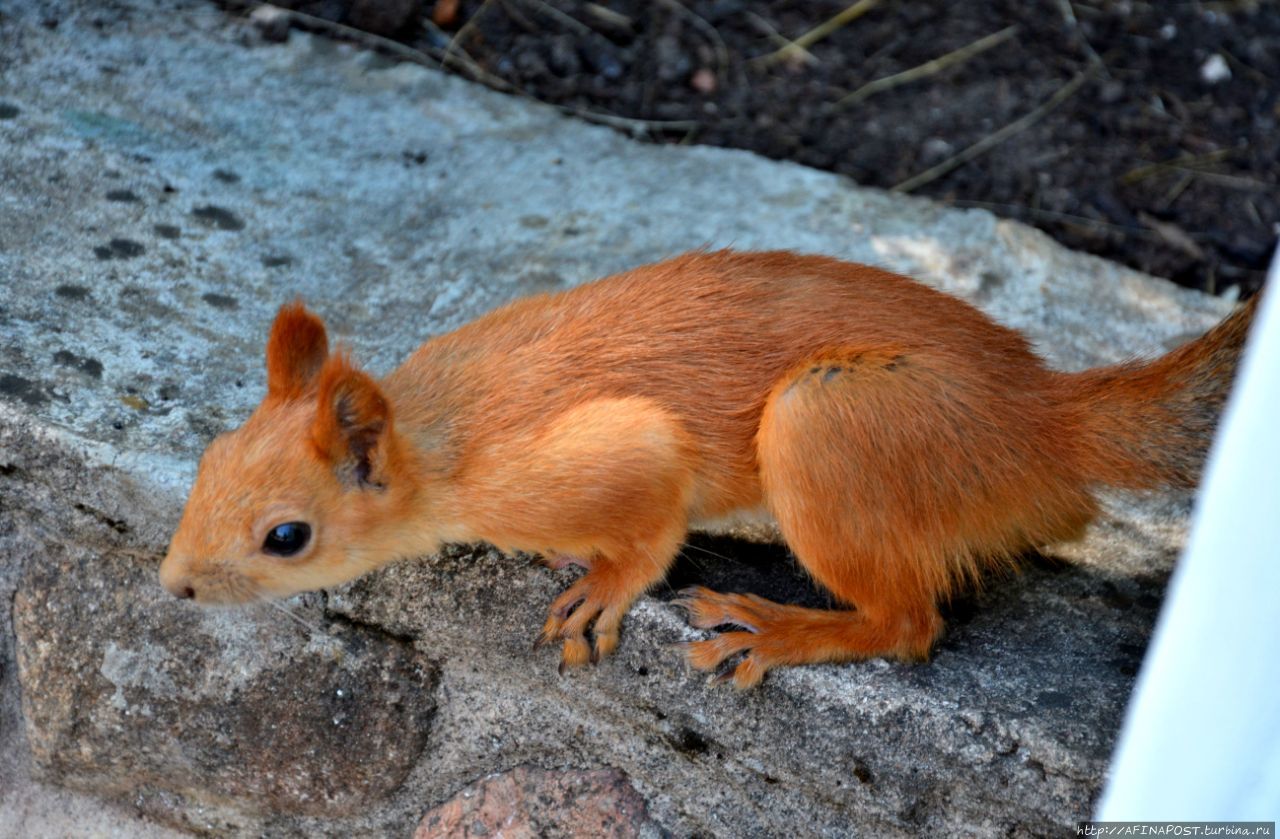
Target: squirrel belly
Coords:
[(900, 440)]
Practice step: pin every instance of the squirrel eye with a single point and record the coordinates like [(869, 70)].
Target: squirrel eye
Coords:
[(287, 539)]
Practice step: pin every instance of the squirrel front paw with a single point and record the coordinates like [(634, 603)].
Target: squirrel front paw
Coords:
[(595, 604)]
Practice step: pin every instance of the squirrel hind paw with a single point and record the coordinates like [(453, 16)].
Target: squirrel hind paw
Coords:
[(787, 635)]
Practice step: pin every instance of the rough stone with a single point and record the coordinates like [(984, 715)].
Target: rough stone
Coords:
[(126, 693), (526, 801), (400, 203)]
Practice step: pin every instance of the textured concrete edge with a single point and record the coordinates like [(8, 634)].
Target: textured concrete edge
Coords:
[(43, 465)]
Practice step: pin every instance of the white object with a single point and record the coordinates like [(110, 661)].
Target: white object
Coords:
[(1201, 740), (1215, 69)]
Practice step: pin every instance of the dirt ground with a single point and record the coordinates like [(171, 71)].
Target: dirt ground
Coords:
[(1145, 132)]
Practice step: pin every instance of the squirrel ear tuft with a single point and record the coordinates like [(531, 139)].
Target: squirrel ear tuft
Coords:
[(296, 351), (353, 423)]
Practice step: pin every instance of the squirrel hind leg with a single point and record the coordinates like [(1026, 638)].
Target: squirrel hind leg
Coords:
[(879, 487), (773, 634)]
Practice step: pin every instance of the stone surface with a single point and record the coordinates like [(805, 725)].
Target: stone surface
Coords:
[(526, 802), (199, 718), (126, 692), (167, 179)]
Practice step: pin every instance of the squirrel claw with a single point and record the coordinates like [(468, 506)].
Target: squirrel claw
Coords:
[(706, 609), (586, 618), (756, 641), (576, 652)]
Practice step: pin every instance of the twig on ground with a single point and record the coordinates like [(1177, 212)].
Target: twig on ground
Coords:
[(712, 34), (436, 59), (510, 8), (1229, 181), (564, 17), (463, 31), (1175, 191), (617, 20), (1226, 7), (1069, 16), (1254, 215), (1185, 161), (801, 45), (1173, 236), (429, 58), (991, 140), (767, 29), (632, 124), (1022, 210), (929, 68)]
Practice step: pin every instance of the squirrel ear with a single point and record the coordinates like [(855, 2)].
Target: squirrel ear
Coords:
[(296, 350), (353, 422)]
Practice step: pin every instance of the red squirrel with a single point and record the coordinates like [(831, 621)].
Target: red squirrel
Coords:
[(900, 439)]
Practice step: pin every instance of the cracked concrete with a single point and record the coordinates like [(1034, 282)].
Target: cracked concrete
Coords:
[(167, 180)]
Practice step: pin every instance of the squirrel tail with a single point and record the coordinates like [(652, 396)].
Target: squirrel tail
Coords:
[(1144, 425)]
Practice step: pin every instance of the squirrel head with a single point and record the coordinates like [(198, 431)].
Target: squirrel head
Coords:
[(308, 493)]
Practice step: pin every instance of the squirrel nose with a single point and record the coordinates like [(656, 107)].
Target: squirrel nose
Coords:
[(174, 581), (181, 589)]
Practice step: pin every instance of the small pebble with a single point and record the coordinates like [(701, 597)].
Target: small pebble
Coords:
[(935, 149), (1215, 69), (703, 81)]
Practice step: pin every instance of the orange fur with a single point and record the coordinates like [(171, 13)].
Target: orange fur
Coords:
[(296, 348), (902, 441)]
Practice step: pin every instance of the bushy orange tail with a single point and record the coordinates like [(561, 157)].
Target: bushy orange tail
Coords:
[(1150, 424)]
